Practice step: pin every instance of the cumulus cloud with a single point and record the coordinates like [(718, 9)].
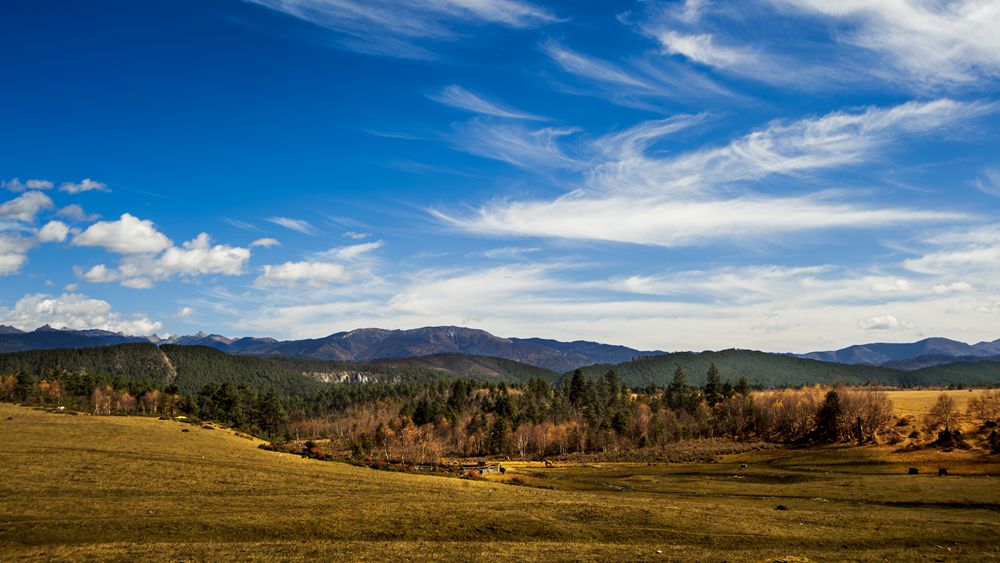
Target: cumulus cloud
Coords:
[(85, 185), (13, 253), (127, 235), (184, 312), (883, 322), (197, 257), (76, 214), (314, 274), (53, 231), (17, 186), (25, 207), (265, 243), (75, 311)]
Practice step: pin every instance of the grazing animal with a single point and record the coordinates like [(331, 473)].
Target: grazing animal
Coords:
[(548, 463), (781, 507), (913, 471), (942, 472), (744, 466), (503, 470)]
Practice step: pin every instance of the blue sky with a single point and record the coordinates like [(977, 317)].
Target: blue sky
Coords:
[(785, 175)]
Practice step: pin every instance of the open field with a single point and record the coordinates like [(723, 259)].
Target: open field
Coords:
[(82, 487), (918, 402)]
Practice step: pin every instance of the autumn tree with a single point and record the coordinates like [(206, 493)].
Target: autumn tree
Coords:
[(943, 415)]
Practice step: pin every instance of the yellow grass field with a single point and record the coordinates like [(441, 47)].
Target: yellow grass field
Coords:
[(116, 488), (918, 403)]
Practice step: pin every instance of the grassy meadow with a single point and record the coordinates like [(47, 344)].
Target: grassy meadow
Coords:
[(116, 488), (917, 403)]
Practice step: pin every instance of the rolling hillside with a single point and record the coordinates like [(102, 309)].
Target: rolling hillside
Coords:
[(193, 367), (772, 370)]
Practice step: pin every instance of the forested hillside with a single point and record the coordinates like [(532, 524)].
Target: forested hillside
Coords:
[(191, 368), (772, 370)]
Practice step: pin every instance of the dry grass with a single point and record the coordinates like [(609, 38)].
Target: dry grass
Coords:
[(80, 487), (918, 403)]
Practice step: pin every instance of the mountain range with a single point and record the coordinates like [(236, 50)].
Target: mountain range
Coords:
[(915, 355), (353, 346), (368, 344)]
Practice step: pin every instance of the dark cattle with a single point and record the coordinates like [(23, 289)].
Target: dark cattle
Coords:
[(548, 463), (943, 472), (744, 466), (913, 471)]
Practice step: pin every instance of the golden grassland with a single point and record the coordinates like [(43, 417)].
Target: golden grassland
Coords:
[(117, 488), (918, 403)]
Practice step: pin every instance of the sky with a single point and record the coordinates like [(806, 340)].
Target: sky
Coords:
[(782, 175)]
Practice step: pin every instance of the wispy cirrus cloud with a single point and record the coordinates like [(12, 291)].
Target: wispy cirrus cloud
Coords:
[(639, 82), (458, 97), (405, 29), (708, 194), (930, 44), (298, 225), (513, 143)]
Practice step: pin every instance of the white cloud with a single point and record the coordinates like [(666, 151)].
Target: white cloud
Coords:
[(670, 223), (356, 236), (85, 185), (197, 257), (510, 252), (25, 207), (896, 286), (535, 149), (127, 235), (72, 287), (299, 225), (315, 274), (633, 197), (352, 252), (184, 312), (53, 231), (74, 311), (701, 48), (386, 27), (954, 287), (989, 182), (883, 322), (930, 43), (265, 243), (76, 214), (592, 68), (13, 253), (99, 274), (17, 186), (458, 97)]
